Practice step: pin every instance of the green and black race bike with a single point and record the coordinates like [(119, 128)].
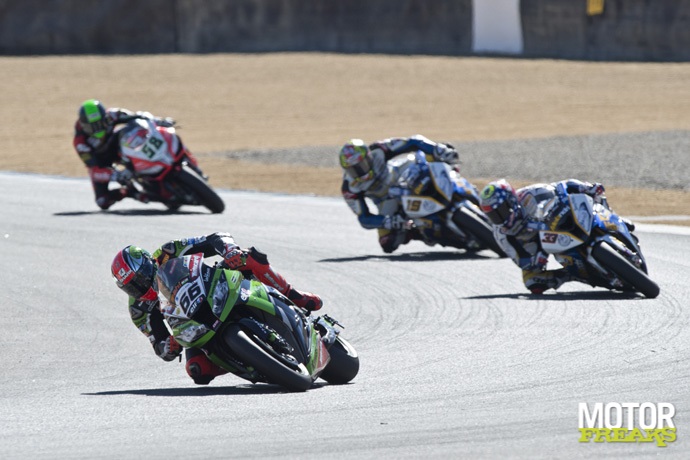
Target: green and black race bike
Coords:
[(251, 329)]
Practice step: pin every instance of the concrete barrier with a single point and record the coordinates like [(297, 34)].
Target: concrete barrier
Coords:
[(625, 29), (195, 26), (86, 26), (638, 30), (353, 26)]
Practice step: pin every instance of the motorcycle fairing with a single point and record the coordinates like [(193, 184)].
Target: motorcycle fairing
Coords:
[(183, 285), (308, 342), (563, 235), (441, 178), (420, 206), (254, 294), (148, 149), (464, 188), (579, 226)]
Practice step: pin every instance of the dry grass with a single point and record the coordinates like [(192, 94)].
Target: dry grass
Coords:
[(290, 99)]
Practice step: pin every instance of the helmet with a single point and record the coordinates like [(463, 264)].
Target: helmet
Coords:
[(134, 270), (356, 161), (92, 118), (500, 204)]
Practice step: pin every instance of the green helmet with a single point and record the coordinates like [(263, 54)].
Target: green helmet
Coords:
[(92, 118)]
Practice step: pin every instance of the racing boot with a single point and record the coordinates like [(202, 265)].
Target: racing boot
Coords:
[(132, 192), (110, 198), (538, 281), (257, 262), (306, 300)]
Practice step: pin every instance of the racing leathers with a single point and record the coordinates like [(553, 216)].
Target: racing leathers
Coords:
[(150, 320), (521, 242), (393, 229), (99, 155)]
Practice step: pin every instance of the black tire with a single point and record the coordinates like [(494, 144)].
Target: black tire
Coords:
[(344, 364), (254, 355), (205, 194), (611, 259), (467, 220)]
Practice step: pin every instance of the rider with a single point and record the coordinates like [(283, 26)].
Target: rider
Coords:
[(98, 148), (517, 218), (367, 175), (134, 270)]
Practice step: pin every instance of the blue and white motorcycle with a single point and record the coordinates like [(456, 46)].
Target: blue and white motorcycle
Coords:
[(443, 206), (593, 243)]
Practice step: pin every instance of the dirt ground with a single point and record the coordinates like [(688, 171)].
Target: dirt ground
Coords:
[(247, 101)]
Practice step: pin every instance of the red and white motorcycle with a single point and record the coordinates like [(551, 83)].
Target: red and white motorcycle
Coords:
[(162, 167)]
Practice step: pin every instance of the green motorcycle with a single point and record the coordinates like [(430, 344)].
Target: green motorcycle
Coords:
[(251, 329)]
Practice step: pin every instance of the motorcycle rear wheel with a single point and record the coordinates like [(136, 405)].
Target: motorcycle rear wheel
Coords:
[(611, 259), (252, 354), (466, 219), (344, 363), (205, 194)]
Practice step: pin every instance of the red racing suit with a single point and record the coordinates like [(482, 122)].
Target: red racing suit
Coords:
[(99, 155)]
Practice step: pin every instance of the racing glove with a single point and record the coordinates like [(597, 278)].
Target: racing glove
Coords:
[(596, 191), (165, 252), (123, 176), (168, 349), (166, 122), (446, 153), (225, 246), (235, 258)]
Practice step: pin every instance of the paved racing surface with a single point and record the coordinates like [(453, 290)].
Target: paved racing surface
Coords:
[(456, 360)]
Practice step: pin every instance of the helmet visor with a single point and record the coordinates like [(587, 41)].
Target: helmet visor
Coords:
[(138, 286), (95, 128), (501, 214), (362, 171)]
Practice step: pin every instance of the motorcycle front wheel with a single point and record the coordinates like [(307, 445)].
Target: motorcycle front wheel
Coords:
[(467, 220), (612, 260), (344, 363), (203, 192), (253, 354)]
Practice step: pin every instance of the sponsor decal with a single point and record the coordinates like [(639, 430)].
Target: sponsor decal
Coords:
[(427, 205), (123, 274), (627, 422), (564, 240), (549, 238)]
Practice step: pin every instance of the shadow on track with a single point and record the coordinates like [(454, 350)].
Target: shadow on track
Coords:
[(130, 212), (239, 390), (573, 295), (413, 257)]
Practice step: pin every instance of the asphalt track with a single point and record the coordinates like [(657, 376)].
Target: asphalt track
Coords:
[(457, 362)]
